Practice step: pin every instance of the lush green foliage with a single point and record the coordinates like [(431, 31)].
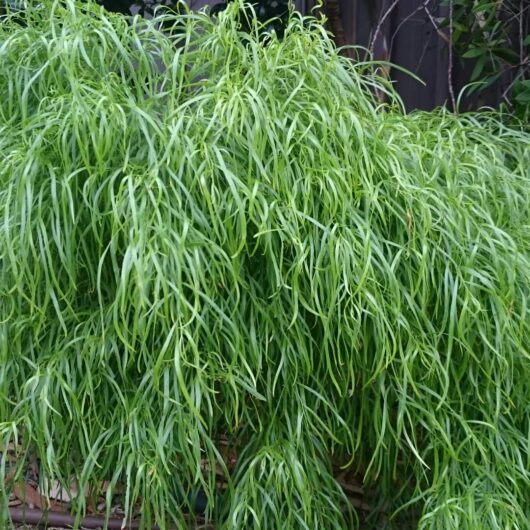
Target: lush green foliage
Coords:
[(496, 35), (203, 239)]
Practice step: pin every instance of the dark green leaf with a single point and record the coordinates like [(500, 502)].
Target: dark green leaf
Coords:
[(479, 67), (474, 52), (523, 97), (507, 54)]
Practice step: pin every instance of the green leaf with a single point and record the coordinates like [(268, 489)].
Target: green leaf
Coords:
[(479, 67), (525, 84), (484, 6), (506, 54), (474, 52), (491, 79), (523, 97)]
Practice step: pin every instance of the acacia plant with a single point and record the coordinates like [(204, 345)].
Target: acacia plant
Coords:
[(223, 261)]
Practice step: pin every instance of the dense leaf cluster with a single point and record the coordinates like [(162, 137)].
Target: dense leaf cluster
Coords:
[(225, 262)]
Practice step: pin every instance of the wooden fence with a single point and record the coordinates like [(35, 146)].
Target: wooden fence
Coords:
[(407, 33)]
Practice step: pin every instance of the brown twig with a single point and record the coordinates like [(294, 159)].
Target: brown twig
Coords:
[(521, 35), (380, 25), (45, 519), (67, 520), (442, 35), (504, 96), (450, 65)]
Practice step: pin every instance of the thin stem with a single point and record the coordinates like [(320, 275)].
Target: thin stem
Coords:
[(450, 65)]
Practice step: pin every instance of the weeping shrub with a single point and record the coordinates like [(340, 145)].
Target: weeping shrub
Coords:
[(208, 240)]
